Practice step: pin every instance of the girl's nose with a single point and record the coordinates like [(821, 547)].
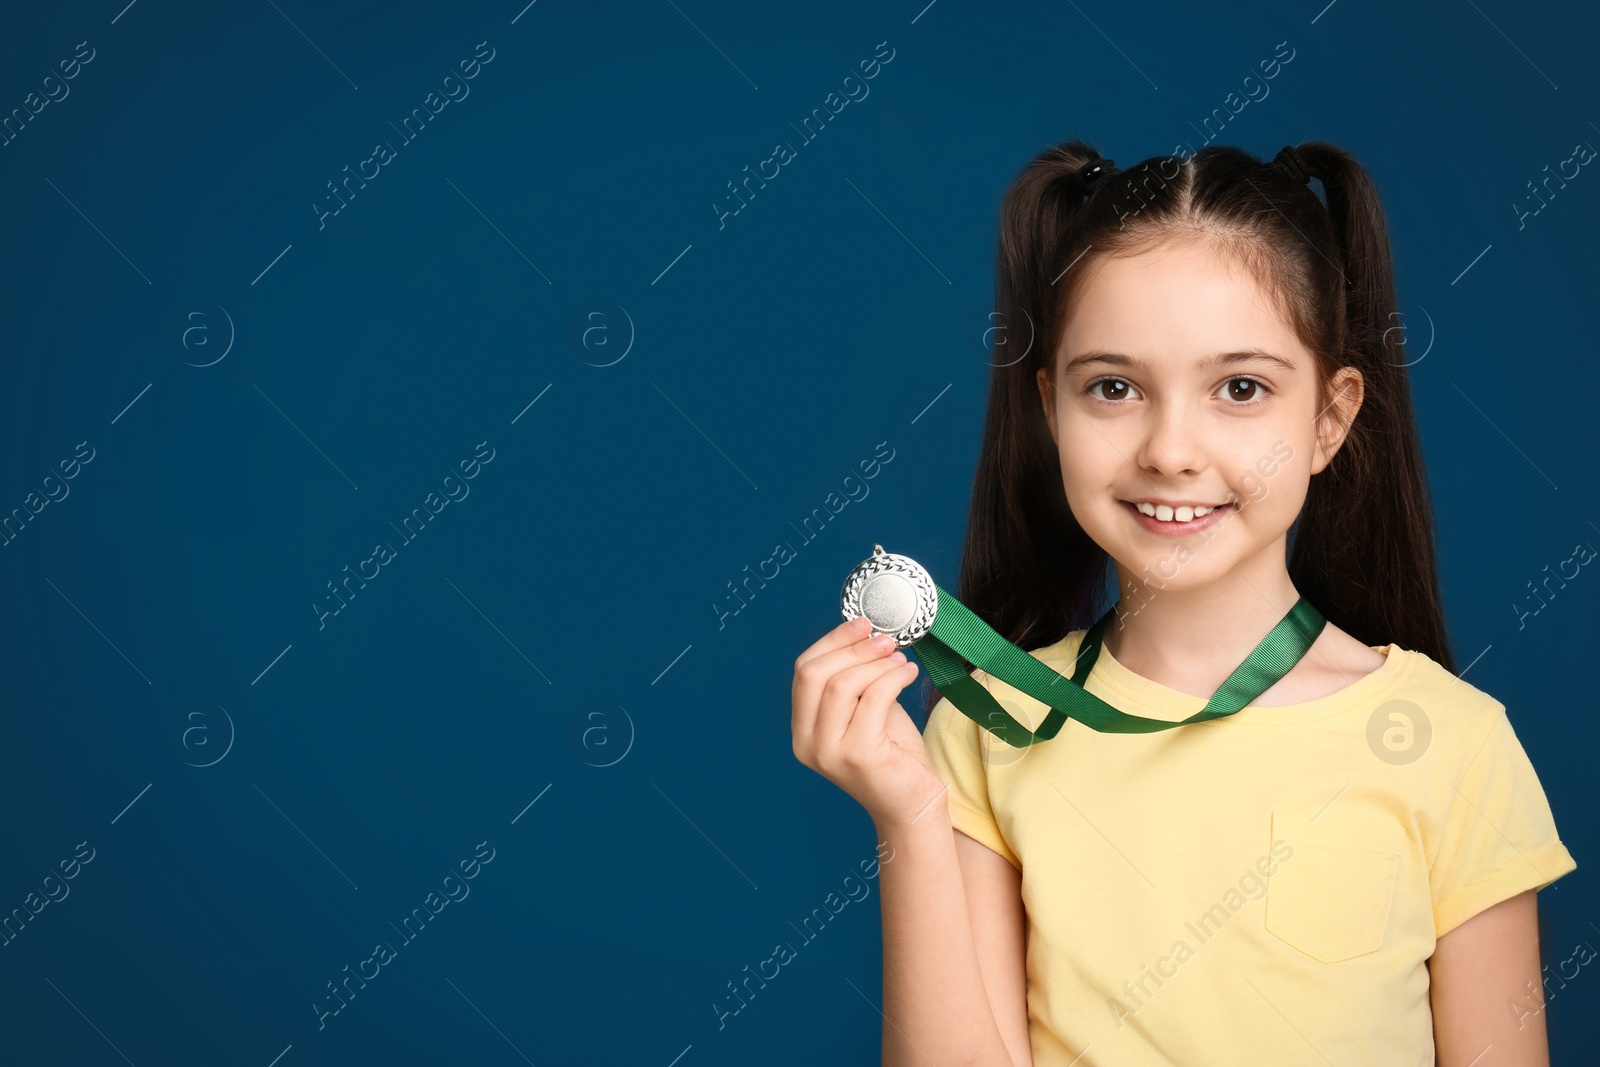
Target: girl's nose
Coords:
[(1170, 443)]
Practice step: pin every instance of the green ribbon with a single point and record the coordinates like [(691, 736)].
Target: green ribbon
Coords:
[(958, 633)]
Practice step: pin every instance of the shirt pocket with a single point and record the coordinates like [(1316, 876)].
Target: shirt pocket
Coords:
[(1331, 898)]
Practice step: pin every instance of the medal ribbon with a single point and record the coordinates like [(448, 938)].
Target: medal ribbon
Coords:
[(958, 633)]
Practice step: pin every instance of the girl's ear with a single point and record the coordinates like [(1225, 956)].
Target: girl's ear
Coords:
[(1047, 396), (1334, 425)]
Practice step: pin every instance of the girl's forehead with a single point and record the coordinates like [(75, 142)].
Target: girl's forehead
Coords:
[(1171, 280), (1173, 308)]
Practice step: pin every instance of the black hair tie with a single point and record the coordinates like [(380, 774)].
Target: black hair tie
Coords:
[(1289, 162), (1093, 172)]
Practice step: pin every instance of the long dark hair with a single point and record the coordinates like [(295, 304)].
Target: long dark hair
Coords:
[(1362, 548)]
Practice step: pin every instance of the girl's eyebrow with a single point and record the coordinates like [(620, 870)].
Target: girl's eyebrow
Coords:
[(1117, 359)]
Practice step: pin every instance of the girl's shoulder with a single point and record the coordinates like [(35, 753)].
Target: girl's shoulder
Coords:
[(1335, 661)]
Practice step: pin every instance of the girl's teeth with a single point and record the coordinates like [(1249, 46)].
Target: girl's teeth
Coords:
[(1169, 514)]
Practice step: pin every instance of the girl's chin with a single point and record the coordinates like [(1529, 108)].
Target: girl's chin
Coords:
[(1178, 566)]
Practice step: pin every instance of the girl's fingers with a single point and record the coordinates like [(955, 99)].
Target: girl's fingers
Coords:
[(879, 700), (813, 674), (842, 698), (845, 633)]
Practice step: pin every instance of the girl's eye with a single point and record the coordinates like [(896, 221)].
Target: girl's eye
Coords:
[(1253, 386), (1119, 389)]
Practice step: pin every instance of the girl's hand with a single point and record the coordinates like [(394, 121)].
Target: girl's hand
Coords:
[(849, 728)]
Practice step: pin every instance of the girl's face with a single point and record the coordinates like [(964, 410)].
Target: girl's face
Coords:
[(1178, 386)]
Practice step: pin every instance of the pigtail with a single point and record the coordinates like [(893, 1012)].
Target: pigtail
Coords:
[(1363, 547), (1027, 567)]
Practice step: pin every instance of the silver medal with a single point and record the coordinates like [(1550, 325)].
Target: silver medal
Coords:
[(894, 592)]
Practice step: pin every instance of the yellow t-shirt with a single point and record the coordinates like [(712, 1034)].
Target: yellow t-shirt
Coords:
[(1261, 888)]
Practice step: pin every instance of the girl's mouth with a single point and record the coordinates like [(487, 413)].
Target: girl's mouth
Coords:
[(1174, 528)]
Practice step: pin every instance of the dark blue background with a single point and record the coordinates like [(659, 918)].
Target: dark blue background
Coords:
[(552, 636)]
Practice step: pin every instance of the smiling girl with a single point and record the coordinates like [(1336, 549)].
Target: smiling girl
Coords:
[(1342, 871)]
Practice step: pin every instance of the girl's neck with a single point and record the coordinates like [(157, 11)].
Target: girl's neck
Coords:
[(1191, 640)]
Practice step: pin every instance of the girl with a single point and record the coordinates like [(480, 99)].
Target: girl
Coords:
[(1342, 872)]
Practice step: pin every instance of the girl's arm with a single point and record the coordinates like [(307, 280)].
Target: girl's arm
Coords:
[(939, 905), (1487, 990), (954, 985)]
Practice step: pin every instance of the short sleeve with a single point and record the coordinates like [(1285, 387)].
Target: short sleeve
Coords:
[(956, 749), (1499, 835)]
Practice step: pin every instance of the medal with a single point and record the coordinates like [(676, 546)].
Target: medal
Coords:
[(899, 597)]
